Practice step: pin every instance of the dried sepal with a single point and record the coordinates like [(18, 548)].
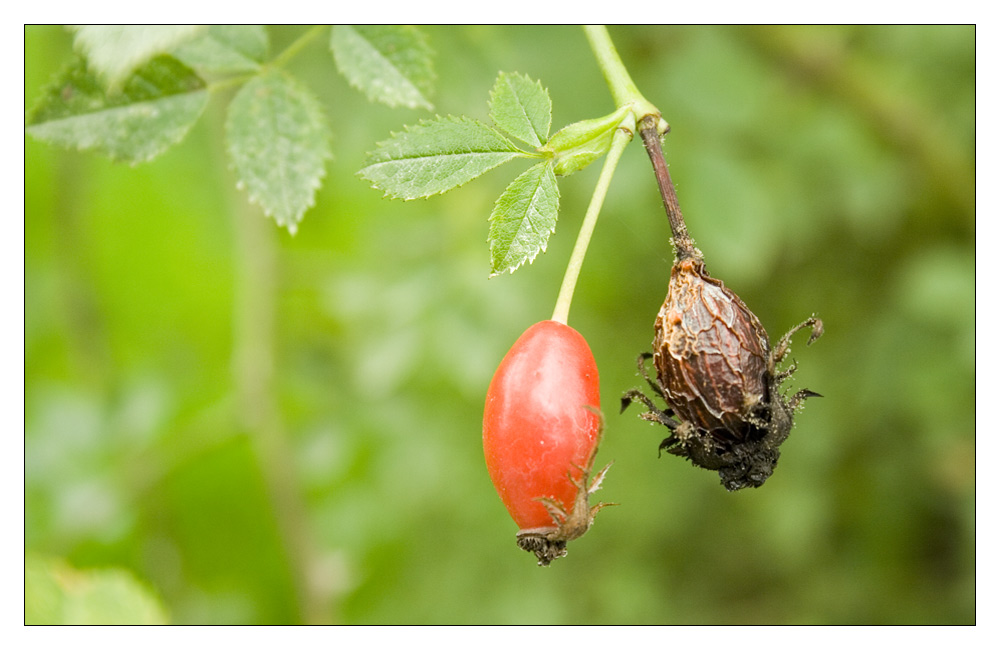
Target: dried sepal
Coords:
[(549, 543)]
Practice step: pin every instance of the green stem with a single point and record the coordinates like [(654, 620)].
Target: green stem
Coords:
[(651, 127), (621, 139), (229, 82), (255, 379), (625, 94), (297, 45), (286, 55), (623, 89)]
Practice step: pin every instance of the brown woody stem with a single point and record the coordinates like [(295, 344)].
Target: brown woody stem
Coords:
[(683, 244)]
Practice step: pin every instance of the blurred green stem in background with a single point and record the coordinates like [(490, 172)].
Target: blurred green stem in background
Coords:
[(827, 66), (253, 363), (296, 46)]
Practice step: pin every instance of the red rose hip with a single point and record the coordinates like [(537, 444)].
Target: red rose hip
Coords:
[(541, 429)]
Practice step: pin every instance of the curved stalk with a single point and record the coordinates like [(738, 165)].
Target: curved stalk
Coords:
[(293, 49), (622, 137), (626, 95), (623, 89), (651, 127), (279, 61)]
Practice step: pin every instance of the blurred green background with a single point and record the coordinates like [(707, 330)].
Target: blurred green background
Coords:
[(274, 429)]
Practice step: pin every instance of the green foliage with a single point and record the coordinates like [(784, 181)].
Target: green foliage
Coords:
[(56, 594), (226, 49), (521, 107), (842, 185), (127, 99), (276, 133), (391, 64), (157, 107), (278, 142), (523, 218), (436, 156), (439, 155), (114, 52)]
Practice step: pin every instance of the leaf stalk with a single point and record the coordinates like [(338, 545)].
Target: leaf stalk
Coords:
[(279, 61), (623, 135), (641, 111), (296, 46)]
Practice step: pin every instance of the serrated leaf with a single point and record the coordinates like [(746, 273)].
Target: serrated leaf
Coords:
[(521, 107), (523, 218), (278, 143), (391, 64), (155, 110), (113, 52), (57, 594), (226, 49), (435, 156)]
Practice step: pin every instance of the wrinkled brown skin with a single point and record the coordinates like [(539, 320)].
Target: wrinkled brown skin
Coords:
[(710, 353), (717, 373)]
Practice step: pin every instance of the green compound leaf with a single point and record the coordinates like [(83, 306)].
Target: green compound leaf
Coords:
[(521, 107), (523, 218), (391, 64), (57, 594), (226, 49), (155, 110), (113, 52), (435, 156), (278, 143)]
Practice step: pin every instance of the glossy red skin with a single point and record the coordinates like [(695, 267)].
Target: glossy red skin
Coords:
[(536, 425)]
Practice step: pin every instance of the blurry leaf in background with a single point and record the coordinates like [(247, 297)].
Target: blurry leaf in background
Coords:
[(278, 140), (56, 594), (155, 110), (226, 49), (113, 52), (391, 64)]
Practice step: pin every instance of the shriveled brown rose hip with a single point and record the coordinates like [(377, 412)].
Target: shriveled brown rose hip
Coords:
[(717, 373), (710, 352), (715, 368)]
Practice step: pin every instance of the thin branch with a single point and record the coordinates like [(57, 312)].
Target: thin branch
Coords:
[(254, 380), (621, 138), (289, 52), (683, 244)]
